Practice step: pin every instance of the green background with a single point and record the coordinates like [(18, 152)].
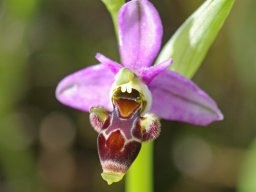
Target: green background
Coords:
[(45, 146)]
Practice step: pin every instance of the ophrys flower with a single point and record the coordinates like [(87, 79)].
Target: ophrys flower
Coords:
[(125, 99)]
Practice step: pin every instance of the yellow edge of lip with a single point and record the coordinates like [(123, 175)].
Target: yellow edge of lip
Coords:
[(112, 177)]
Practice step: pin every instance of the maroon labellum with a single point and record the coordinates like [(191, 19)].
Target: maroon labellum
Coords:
[(121, 133)]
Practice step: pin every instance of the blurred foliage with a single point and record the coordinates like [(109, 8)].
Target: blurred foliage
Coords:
[(16, 159), (40, 138), (191, 42)]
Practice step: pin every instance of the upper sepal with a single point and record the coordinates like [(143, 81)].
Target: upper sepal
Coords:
[(140, 34)]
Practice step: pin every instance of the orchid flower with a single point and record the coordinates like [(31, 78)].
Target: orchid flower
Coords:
[(125, 100)]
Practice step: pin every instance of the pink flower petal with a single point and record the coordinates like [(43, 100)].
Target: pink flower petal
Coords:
[(112, 65), (86, 88), (147, 74), (140, 32), (179, 99)]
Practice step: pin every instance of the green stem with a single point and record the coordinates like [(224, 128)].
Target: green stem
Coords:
[(140, 175), (113, 7)]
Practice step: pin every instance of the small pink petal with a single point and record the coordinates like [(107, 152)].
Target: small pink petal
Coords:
[(147, 74), (112, 65)]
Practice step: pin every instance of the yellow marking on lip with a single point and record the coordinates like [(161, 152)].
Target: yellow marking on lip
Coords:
[(112, 177)]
